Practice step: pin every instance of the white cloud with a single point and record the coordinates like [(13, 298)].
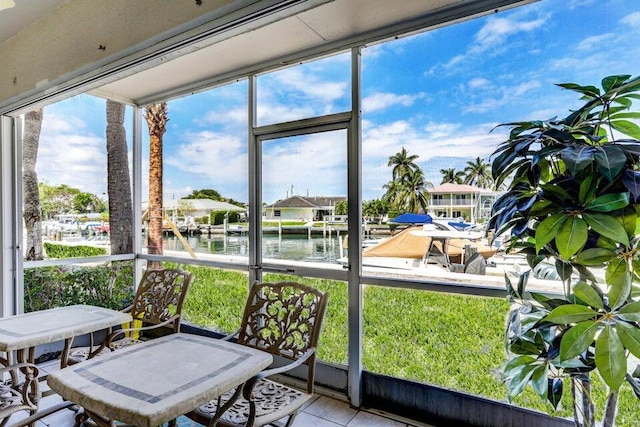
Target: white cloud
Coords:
[(493, 36), (213, 156), (313, 86), (574, 4), (507, 96), (439, 130), (496, 31), (594, 42), (633, 19), (479, 83), (224, 117), (77, 160), (382, 100), (314, 164), (269, 112)]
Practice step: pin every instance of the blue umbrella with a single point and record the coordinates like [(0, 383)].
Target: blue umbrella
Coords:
[(411, 218)]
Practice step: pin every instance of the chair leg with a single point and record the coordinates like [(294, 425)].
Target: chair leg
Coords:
[(290, 420)]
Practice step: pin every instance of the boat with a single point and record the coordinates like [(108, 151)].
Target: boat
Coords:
[(429, 243)]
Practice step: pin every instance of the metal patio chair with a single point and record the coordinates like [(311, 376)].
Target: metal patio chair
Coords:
[(21, 396), (156, 310), (283, 319)]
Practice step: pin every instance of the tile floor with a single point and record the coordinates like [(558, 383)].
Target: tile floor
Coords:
[(323, 411)]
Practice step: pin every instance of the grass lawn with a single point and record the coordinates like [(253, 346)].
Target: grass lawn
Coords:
[(452, 341)]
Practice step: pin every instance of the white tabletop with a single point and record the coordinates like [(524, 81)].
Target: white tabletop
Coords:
[(56, 324), (156, 381), (446, 234)]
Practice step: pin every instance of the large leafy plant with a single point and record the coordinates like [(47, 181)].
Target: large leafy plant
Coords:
[(574, 198)]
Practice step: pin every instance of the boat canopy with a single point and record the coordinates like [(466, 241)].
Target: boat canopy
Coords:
[(403, 245), (411, 218)]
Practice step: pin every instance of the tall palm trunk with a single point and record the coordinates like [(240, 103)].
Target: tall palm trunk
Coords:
[(118, 181), (156, 116), (31, 210)]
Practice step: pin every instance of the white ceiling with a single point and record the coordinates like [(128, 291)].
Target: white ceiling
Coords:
[(16, 15), (331, 26)]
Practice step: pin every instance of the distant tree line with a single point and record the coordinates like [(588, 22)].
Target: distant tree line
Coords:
[(209, 193)]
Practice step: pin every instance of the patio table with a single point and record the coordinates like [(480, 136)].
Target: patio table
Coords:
[(154, 382), (25, 331)]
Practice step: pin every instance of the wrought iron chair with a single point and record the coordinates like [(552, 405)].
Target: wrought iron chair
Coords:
[(22, 396), (157, 307), (283, 319)]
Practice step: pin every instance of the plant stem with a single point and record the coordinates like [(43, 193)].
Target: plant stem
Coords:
[(610, 410)]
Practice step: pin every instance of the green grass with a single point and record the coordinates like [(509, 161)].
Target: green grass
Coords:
[(449, 340)]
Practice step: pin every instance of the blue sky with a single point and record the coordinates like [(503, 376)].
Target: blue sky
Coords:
[(438, 94)]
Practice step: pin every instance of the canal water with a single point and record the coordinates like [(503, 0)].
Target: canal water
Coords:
[(291, 247)]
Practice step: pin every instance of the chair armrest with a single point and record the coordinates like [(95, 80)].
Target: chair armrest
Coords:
[(16, 366), (231, 335), (41, 414), (123, 331), (250, 384)]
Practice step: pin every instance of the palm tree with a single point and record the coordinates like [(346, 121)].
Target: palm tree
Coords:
[(453, 176), (118, 181), (478, 173), (393, 193), (415, 191), (156, 116), (402, 162), (32, 214)]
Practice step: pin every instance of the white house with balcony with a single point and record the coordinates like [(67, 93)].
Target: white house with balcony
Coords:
[(462, 201)]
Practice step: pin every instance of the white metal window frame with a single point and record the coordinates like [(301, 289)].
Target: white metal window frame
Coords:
[(10, 128)]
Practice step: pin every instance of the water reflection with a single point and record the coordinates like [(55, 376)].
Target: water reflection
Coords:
[(291, 247)]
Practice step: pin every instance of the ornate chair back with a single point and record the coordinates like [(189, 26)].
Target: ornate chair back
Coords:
[(284, 319), (160, 296)]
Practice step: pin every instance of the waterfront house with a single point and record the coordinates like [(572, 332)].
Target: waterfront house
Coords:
[(461, 201), (302, 208), (194, 208)]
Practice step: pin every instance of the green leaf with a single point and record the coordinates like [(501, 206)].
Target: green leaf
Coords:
[(630, 312), (578, 157), (626, 127), (571, 237), (630, 337), (625, 115), (564, 269), (618, 277), (590, 91), (512, 364), (520, 379), (577, 339), (613, 82), (570, 313), (539, 381), (589, 295), (629, 220), (554, 395), (610, 359), (547, 230), (594, 256), (587, 190), (609, 202), (607, 226), (610, 159)]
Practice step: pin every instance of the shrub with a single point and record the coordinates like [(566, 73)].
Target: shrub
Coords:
[(105, 286), (217, 217), (63, 251)]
